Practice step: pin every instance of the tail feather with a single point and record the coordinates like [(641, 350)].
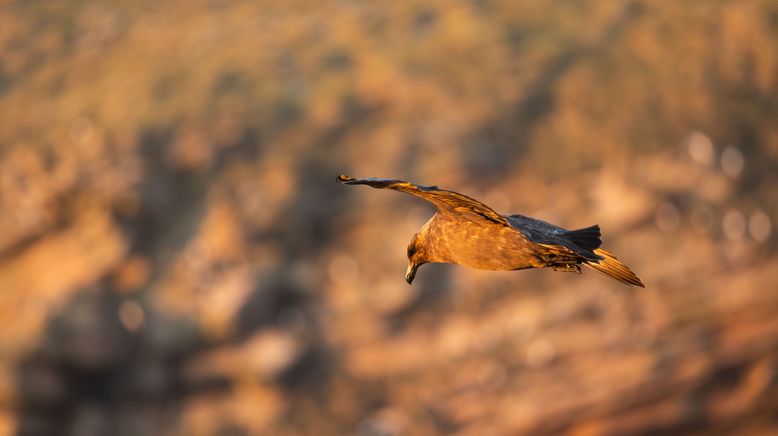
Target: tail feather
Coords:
[(586, 241), (610, 266), (587, 237)]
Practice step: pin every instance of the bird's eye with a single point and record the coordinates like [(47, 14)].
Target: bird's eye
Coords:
[(411, 250)]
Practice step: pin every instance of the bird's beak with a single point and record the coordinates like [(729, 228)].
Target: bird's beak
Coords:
[(411, 272)]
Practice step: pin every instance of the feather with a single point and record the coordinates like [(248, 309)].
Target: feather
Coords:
[(611, 267)]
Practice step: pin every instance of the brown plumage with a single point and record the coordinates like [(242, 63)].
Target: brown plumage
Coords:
[(467, 232)]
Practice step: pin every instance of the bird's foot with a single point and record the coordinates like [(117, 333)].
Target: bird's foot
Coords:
[(567, 267)]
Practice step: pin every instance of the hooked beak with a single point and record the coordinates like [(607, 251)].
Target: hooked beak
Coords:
[(410, 273)]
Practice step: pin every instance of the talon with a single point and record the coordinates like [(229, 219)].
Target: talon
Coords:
[(566, 267)]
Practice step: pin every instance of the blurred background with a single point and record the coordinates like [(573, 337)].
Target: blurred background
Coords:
[(176, 257)]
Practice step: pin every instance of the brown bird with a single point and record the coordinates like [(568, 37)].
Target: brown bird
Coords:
[(467, 232)]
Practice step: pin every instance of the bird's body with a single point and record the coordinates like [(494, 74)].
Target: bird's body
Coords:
[(467, 243), (467, 232)]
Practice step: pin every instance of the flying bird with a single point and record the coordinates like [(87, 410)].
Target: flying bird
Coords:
[(467, 232)]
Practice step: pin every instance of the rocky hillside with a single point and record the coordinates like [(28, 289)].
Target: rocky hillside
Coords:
[(176, 257)]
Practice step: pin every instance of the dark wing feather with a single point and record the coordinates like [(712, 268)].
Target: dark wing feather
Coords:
[(446, 201), (582, 241)]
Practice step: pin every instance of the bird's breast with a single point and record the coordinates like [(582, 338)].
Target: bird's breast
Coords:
[(481, 246)]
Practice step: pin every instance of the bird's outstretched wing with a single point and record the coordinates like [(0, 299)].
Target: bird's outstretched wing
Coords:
[(446, 201)]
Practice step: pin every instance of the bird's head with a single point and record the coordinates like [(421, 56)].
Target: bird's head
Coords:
[(416, 256)]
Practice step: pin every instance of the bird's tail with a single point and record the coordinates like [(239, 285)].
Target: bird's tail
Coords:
[(611, 267)]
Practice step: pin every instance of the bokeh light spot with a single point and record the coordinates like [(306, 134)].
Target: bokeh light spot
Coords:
[(732, 162), (734, 225), (131, 315), (760, 226), (700, 148)]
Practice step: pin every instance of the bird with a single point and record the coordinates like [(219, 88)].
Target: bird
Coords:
[(467, 232)]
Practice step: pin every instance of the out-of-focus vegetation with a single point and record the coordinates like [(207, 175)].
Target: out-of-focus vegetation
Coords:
[(176, 257)]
